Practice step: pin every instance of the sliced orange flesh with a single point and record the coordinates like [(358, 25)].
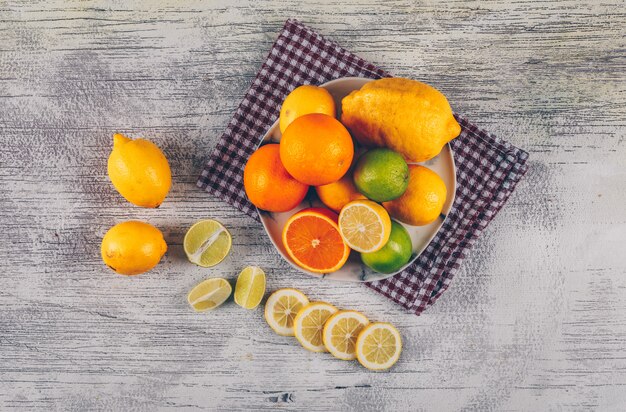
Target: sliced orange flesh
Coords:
[(312, 239)]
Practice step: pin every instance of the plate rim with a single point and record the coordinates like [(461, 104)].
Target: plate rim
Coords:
[(262, 213)]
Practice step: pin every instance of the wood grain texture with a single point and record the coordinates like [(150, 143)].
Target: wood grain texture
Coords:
[(536, 320)]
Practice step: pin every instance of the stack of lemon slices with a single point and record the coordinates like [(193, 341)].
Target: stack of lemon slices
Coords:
[(321, 327)]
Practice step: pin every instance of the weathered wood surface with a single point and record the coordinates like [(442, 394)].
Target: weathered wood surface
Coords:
[(536, 320)]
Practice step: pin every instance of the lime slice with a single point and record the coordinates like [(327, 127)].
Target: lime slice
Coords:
[(207, 243), (209, 294), (250, 287)]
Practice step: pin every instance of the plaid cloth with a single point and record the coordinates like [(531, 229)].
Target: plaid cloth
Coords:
[(488, 168)]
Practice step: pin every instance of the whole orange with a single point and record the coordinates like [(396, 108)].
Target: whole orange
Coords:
[(316, 149), (267, 183), (335, 195)]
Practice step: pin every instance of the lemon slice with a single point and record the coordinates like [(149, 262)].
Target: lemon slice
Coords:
[(341, 331), (207, 243), (250, 287), (209, 294), (281, 309), (378, 346), (309, 325), (365, 225)]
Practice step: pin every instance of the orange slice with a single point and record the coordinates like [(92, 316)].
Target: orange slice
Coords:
[(312, 239)]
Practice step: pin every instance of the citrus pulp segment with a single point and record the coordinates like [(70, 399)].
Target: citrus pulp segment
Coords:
[(341, 331), (209, 294), (365, 225), (378, 346), (312, 239), (250, 287), (281, 309), (207, 243), (309, 325)]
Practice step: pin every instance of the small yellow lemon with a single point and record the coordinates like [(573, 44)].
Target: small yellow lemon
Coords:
[(423, 200), (139, 171), (132, 247), (304, 100)]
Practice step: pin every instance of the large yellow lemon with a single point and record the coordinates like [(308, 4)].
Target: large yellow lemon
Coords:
[(139, 171), (133, 247), (403, 115)]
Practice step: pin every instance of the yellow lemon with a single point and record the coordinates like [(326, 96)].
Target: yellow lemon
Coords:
[(304, 100), (139, 171), (281, 309), (250, 287), (309, 325), (404, 115), (378, 346), (423, 199), (365, 225), (341, 331), (209, 294), (132, 247)]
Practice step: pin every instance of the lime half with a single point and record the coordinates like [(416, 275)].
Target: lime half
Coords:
[(250, 287), (207, 243), (209, 294)]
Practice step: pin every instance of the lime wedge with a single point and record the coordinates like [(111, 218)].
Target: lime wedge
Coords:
[(207, 243), (209, 294), (250, 287)]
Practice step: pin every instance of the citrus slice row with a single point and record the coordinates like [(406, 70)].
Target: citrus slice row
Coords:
[(209, 294), (365, 225), (341, 331), (312, 239), (250, 287), (281, 309), (378, 346), (309, 325)]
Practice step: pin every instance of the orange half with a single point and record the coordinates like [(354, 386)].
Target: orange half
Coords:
[(312, 239)]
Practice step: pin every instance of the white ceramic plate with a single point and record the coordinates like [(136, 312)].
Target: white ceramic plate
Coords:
[(354, 270)]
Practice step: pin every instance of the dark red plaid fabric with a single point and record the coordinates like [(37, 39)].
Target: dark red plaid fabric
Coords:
[(488, 168)]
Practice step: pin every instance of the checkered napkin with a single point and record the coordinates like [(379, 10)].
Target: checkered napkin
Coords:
[(488, 168)]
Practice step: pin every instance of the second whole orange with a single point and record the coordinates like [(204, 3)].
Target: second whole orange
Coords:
[(316, 149), (267, 183), (337, 194)]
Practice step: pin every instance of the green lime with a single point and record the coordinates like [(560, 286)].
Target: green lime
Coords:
[(395, 254), (207, 243), (381, 175), (250, 287)]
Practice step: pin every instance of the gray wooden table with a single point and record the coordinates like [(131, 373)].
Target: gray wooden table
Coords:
[(536, 319)]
